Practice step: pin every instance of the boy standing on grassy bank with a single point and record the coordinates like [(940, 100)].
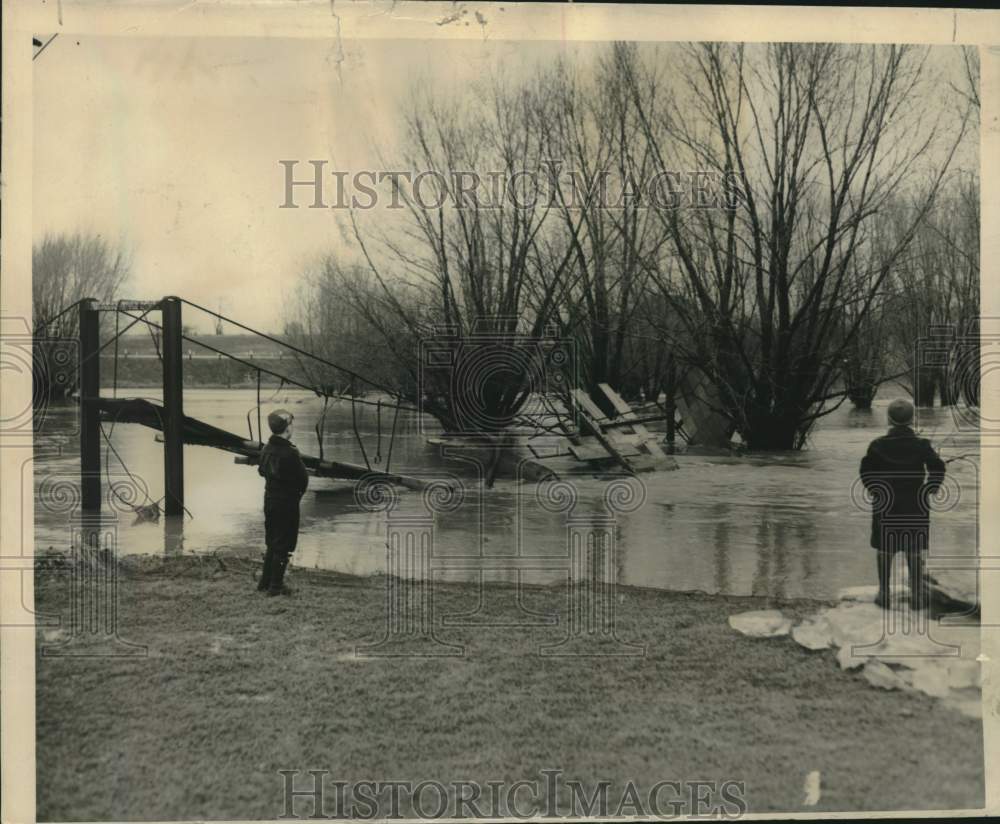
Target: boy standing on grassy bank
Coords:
[(282, 467)]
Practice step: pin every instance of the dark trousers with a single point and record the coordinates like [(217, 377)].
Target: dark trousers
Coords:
[(915, 569), (281, 534)]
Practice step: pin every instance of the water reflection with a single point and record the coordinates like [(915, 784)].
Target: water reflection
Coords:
[(777, 525)]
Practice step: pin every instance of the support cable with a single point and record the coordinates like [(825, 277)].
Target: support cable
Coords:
[(54, 318), (294, 348), (321, 425), (260, 431), (357, 435), (278, 375), (392, 440)]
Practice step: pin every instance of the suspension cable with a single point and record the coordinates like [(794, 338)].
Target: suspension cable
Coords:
[(108, 342), (294, 348), (321, 426), (260, 430), (278, 375), (357, 435), (392, 439), (54, 318)]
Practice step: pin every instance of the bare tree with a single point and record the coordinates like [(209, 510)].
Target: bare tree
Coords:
[(65, 269), (935, 300), (466, 272), (599, 161), (821, 138)]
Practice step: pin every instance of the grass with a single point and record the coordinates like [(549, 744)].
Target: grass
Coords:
[(236, 686)]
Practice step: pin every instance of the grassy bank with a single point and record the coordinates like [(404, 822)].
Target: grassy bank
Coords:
[(236, 686)]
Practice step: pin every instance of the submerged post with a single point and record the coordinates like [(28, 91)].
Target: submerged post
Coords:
[(671, 405), (173, 408), (90, 421)]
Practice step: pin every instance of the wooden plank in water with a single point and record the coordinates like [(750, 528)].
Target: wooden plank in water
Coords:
[(625, 412), (590, 449), (590, 417), (587, 405)]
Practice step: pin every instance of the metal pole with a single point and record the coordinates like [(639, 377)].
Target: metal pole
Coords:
[(90, 421), (173, 408)]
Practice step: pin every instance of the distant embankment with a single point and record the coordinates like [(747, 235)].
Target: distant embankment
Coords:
[(139, 362)]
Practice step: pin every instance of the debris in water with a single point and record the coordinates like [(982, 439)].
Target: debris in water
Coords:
[(761, 623)]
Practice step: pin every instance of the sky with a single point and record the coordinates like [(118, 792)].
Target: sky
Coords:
[(171, 148)]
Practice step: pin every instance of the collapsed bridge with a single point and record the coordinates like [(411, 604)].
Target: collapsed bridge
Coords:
[(168, 418)]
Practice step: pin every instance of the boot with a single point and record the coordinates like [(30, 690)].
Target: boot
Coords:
[(265, 574), (277, 582)]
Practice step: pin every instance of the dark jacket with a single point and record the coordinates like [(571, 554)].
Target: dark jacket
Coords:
[(282, 466), (901, 471)]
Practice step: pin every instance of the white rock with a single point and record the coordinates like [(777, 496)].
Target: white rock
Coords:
[(813, 633), (909, 648), (855, 624), (848, 661), (761, 623), (963, 673), (812, 789), (931, 678), (880, 675)]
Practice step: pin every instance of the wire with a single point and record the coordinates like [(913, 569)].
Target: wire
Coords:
[(264, 335), (321, 426), (54, 318), (260, 429), (357, 435), (288, 380), (392, 439)]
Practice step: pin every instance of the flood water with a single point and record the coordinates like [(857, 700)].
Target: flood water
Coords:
[(783, 525)]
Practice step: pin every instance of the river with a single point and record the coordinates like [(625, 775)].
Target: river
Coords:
[(781, 525)]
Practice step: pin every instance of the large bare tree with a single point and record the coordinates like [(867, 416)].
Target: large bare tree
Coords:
[(821, 139), (469, 269)]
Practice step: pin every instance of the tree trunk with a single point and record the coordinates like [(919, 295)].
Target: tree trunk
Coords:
[(771, 431), (945, 389), (862, 395), (924, 382)]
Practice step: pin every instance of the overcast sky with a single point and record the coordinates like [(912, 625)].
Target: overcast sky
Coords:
[(171, 147)]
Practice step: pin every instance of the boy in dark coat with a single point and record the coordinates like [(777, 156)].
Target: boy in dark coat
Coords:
[(901, 471), (282, 467)]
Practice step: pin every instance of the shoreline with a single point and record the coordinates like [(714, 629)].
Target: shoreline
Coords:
[(234, 686)]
